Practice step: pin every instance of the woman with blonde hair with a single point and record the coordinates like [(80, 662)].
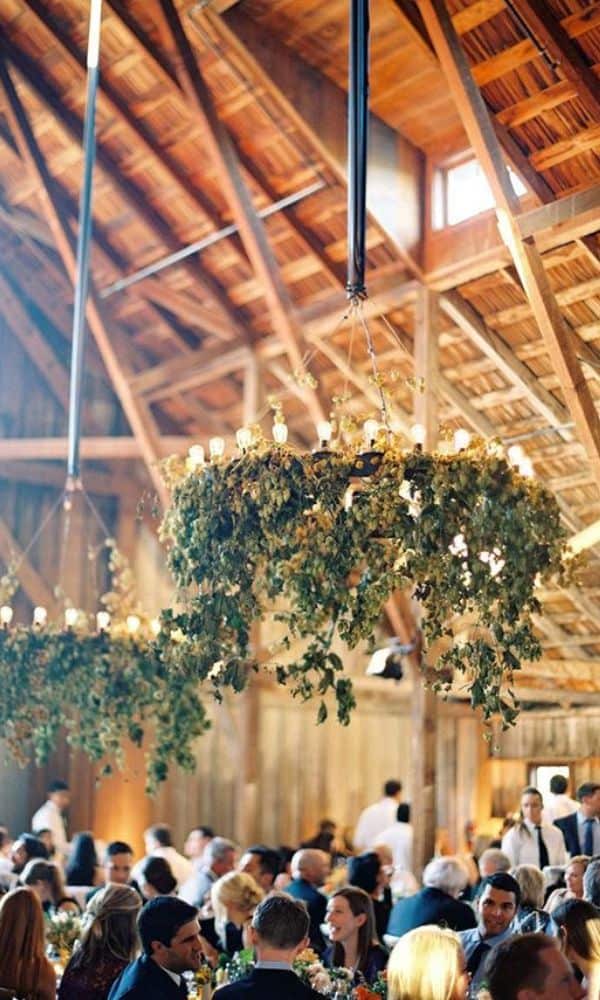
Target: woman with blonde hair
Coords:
[(234, 898), (24, 968), (573, 888), (108, 943), (531, 918), (428, 964), (579, 929)]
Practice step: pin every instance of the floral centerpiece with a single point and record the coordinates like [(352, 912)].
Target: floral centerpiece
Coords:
[(200, 986), (62, 931), (326, 981)]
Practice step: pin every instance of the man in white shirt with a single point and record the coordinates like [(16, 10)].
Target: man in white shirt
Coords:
[(533, 842), (558, 803), (50, 816), (377, 817), (399, 837), (159, 844)]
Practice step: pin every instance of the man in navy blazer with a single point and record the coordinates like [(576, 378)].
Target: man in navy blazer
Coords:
[(279, 932), (436, 903), (581, 829), (169, 931), (310, 869)]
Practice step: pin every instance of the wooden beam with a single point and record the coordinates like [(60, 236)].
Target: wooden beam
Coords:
[(530, 107), (478, 13), (32, 583), (525, 255), (138, 416), (504, 62), (121, 447), (44, 474), (566, 149), (569, 210)]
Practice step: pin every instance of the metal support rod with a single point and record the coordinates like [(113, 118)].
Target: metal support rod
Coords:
[(358, 90), (83, 248), (206, 241)]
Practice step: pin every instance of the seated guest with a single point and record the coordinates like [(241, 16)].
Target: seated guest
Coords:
[(159, 844), (156, 878), (497, 907), (118, 865), (39, 877), (234, 898), (83, 868), (493, 860), (263, 863), (285, 867), (170, 936), (279, 932), (366, 872), (530, 916), (310, 869), (530, 967), (108, 944), (437, 902), (47, 840), (196, 843), (427, 964), (323, 838), (532, 842), (24, 848), (579, 924), (573, 886), (591, 882), (219, 859), (351, 929), (24, 968)]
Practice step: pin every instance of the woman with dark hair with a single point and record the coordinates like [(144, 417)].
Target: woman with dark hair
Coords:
[(579, 931), (109, 942), (351, 928), (24, 968), (367, 872), (83, 868), (156, 878)]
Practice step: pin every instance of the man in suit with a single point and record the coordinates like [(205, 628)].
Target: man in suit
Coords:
[(497, 907), (219, 859), (436, 903), (278, 933), (530, 967), (170, 936), (581, 829), (310, 869)]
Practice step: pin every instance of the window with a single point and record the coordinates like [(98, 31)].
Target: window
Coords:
[(540, 775), (462, 192)]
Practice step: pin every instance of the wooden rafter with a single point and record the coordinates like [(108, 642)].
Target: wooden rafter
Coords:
[(525, 255), (120, 448), (32, 583)]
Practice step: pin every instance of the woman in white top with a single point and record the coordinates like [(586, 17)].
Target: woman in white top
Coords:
[(525, 842)]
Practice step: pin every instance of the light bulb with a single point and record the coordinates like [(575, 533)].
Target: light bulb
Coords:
[(526, 467), (324, 432), (216, 447), (280, 433), (348, 499), (515, 454), (243, 438), (6, 614), (370, 431), (40, 616), (71, 616), (196, 455), (133, 624), (102, 621), (462, 439), (417, 433), (155, 626)]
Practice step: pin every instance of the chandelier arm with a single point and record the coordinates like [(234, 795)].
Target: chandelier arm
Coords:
[(385, 416)]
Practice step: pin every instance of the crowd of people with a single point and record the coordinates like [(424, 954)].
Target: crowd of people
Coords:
[(519, 921)]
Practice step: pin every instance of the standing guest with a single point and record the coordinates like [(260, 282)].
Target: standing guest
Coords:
[(581, 830), (532, 842), (399, 836), (573, 888), (108, 944), (579, 924), (47, 840), (591, 882), (558, 803), (351, 929), (437, 902), (156, 878), (219, 859), (263, 863), (50, 816), (497, 907), (159, 844), (196, 843), (82, 867), (170, 936), (427, 964), (24, 968), (24, 848), (530, 967), (310, 869), (367, 872), (234, 898), (279, 932), (378, 817), (530, 916)]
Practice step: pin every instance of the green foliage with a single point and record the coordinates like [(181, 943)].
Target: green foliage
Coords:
[(465, 532)]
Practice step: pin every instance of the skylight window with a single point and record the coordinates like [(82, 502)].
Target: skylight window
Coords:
[(464, 192)]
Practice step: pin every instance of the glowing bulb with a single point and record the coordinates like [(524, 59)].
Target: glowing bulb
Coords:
[(177, 635), (196, 455), (102, 621), (417, 433), (515, 454), (348, 499), (495, 448), (324, 432), (462, 439), (155, 626), (6, 614), (216, 447), (71, 616), (458, 546), (40, 616), (526, 467), (280, 433), (243, 438), (370, 431), (133, 624)]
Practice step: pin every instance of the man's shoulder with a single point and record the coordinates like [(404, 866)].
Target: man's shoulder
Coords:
[(137, 980), (566, 821), (264, 984)]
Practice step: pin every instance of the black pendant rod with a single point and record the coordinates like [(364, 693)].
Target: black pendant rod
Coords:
[(358, 96)]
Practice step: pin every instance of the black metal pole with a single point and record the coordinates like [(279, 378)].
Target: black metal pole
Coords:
[(358, 94), (83, 250)]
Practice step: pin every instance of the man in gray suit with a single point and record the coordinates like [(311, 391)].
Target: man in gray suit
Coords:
[(220, 859)]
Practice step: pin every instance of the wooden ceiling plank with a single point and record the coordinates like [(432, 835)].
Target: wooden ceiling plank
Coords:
[(505, 62), (121, 447), (137, 414), (582, 21), (530, 107), (525, 255), (32, 583), (250, 226), (566, 149), (195, 368), (559, 212), (572, 63), (477, 13)]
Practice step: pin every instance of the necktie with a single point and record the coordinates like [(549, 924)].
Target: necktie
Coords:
[(477, 957), (543, 850), (588, 839)]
